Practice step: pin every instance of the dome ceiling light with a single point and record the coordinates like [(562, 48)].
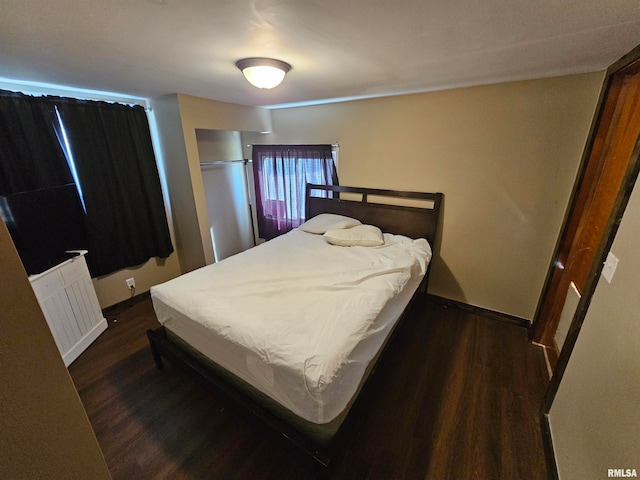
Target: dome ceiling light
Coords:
[(263, 72)]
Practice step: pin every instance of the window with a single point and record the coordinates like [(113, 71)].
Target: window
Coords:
[(105, 150), (66, 148), (281, 173)]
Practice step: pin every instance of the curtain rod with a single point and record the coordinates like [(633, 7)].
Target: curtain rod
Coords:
[(334, 145), (224, 162)]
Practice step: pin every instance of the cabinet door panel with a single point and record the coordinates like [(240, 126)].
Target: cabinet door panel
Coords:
[(74, 270), (47, 285), (59, 314)]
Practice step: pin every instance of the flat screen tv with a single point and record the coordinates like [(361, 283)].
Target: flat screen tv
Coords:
[(44, 225)]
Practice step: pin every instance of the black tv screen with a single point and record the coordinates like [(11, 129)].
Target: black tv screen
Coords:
[(44, 225)]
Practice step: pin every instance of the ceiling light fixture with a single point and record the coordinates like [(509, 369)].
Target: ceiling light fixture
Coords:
[(263, 72)]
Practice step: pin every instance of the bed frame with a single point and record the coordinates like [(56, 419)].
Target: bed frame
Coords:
[(370, 208), (412, 221)]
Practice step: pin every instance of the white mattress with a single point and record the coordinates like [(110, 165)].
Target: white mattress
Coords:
[(297, 318)]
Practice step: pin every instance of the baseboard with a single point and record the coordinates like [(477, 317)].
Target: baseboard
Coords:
[(503, 317), (549, 452), (114, 310)]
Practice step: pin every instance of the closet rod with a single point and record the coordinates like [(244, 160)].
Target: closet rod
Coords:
[(223, 162), (334, 145)]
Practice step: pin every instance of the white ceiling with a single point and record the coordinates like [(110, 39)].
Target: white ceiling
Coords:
[(338, 48)]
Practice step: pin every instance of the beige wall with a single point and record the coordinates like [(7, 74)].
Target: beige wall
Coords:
[(44, 430), (595, 417), (112, 288), (202, 114), (178, 181), (179, 117), (505, 156)]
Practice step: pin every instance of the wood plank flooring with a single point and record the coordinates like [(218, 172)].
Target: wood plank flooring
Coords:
[(457, 397)]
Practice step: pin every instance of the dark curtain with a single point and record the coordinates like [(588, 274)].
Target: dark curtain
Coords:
[(281, 173), (116, 169), (31, 157)]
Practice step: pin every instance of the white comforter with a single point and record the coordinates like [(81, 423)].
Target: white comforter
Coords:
[(297, 301)]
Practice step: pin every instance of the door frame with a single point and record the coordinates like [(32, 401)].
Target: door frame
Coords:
[(611, 228)]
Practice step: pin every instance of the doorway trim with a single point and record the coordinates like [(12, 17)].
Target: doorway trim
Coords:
[(610, 231), (626, 187)]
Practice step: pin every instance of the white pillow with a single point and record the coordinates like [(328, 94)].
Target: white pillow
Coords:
[(328, 221), (360, 235)]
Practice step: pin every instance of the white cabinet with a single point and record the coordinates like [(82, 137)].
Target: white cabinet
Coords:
[(70, 305)]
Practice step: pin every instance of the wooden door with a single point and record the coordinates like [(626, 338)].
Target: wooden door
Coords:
[(598, 202)]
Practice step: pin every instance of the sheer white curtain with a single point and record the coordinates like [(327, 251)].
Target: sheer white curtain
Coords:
[(281, 173)]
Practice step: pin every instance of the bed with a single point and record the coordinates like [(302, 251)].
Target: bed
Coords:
[(290, 331)]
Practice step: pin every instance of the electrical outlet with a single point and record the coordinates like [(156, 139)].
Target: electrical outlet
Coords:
[(131, 283)]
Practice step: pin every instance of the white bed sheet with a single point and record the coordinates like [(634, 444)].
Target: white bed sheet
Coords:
[(296, 317)]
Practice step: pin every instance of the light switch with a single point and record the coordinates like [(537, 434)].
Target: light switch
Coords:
[(610, 265)]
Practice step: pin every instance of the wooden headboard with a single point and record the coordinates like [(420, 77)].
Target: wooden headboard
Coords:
[(411, 221)]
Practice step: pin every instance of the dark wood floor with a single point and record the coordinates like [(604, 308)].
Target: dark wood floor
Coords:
[(457, 397)]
